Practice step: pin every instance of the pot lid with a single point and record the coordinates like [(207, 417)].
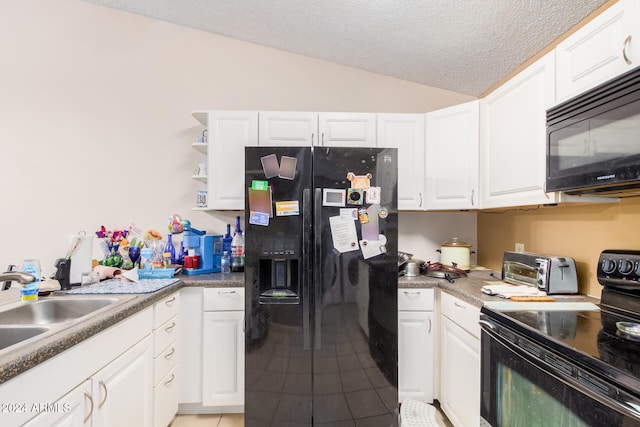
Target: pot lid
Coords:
[(455, 243)]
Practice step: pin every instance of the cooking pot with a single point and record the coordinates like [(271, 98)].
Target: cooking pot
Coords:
[(412, 267), (456, 253)]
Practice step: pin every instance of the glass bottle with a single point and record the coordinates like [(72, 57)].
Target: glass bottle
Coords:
[(237, 249), (170, 251), (226, 240)]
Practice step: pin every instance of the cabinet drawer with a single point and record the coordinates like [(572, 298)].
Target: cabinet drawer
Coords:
[(166, 309), (165, 399), (416, 299), (166, 361), (165, 335), (460, 312), (223, 299)]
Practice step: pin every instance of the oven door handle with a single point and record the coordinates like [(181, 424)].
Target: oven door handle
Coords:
[(485, 324)]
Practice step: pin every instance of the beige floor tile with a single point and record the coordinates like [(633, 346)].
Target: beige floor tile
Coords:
[(196, 421), (232, 420)]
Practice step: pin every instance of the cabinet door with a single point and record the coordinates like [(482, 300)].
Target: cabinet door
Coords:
[(602, 49), (406, 133), (229, 132), (122, 391), (512, 139), (279, 128), (223, 358), (415, 355), (459, 374), (347, 129), (452, 157), (72, 410)]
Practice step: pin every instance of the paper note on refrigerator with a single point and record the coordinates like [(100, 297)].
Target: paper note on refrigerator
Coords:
[(371, 248), (344, 234)]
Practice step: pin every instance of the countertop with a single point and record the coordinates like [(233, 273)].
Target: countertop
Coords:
[(24, 357)]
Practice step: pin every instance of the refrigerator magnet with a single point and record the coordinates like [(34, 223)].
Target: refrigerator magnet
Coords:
[(258, 218), (259, 185), (288, 208), (288, 167), (344, 234), (270, 166), (371, 248), (363, 216), (370, 230), (373, 195), (383, 212), (351, 213), (260, 201), (333, 197), (361, 182), (354, 196)]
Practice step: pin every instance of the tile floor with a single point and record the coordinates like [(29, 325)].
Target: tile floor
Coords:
[(237, 420)]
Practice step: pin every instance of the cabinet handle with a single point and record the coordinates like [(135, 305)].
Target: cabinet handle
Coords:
[(420, 198), (226, 292), (624, 50), (88, 396), (106, 393), (168, 383), (170, 301), (472, 194), (169, 328), (457, 304), (312, 136), (429, 331), (168, 355), (412, 294), (322, 140)]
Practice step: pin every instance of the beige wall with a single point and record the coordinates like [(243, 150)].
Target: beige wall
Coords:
[(95, 116), (578, 231)]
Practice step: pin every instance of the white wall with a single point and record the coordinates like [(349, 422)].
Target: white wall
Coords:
[(95, 116)]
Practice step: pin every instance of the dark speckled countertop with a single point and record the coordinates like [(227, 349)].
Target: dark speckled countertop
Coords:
[(23, 357)]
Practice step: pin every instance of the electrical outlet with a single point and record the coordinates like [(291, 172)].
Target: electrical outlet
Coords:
[(519, 247)]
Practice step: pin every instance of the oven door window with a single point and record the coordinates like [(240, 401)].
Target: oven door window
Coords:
[(519, 390)]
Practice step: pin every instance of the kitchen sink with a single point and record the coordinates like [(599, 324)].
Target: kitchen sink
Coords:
[(11, 335), (56, 310)]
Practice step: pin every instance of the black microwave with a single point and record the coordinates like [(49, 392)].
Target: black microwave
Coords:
[(593, 140)]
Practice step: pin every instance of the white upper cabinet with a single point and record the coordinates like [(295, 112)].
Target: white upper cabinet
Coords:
[(347, 129), (452, 157), (512, 138), (229, 133), (605, 47), (285, 128), (406, 133)]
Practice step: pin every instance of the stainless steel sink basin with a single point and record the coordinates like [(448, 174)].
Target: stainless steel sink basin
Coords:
[(11, 335), (48, 311)]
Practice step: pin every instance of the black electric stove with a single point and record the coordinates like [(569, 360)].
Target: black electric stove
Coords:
[(584, 347)]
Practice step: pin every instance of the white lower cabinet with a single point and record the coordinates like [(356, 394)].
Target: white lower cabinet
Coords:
[(223, 347), (74, 409), (416, 332), (166, 355), (122, 390), (105, 380), (459, 361)]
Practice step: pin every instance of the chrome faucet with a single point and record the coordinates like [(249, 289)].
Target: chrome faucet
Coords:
[(20, 277)]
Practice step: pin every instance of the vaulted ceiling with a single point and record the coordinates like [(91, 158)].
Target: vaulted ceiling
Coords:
[(465, 46)]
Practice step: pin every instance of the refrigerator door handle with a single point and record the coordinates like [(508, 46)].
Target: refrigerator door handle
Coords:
[(306, 267), (317, 262)]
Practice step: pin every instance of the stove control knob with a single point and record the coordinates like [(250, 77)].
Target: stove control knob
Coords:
[(608, 266), (625, 267)]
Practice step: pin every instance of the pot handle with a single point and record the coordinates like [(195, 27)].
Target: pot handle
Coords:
[(438, 250)]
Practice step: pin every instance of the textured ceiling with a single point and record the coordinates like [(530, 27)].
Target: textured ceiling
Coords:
[(464, 46)]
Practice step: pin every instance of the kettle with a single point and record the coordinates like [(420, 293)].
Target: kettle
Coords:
[(412, 267)]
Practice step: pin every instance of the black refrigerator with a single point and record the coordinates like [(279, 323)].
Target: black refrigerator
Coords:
[(321, 278)]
